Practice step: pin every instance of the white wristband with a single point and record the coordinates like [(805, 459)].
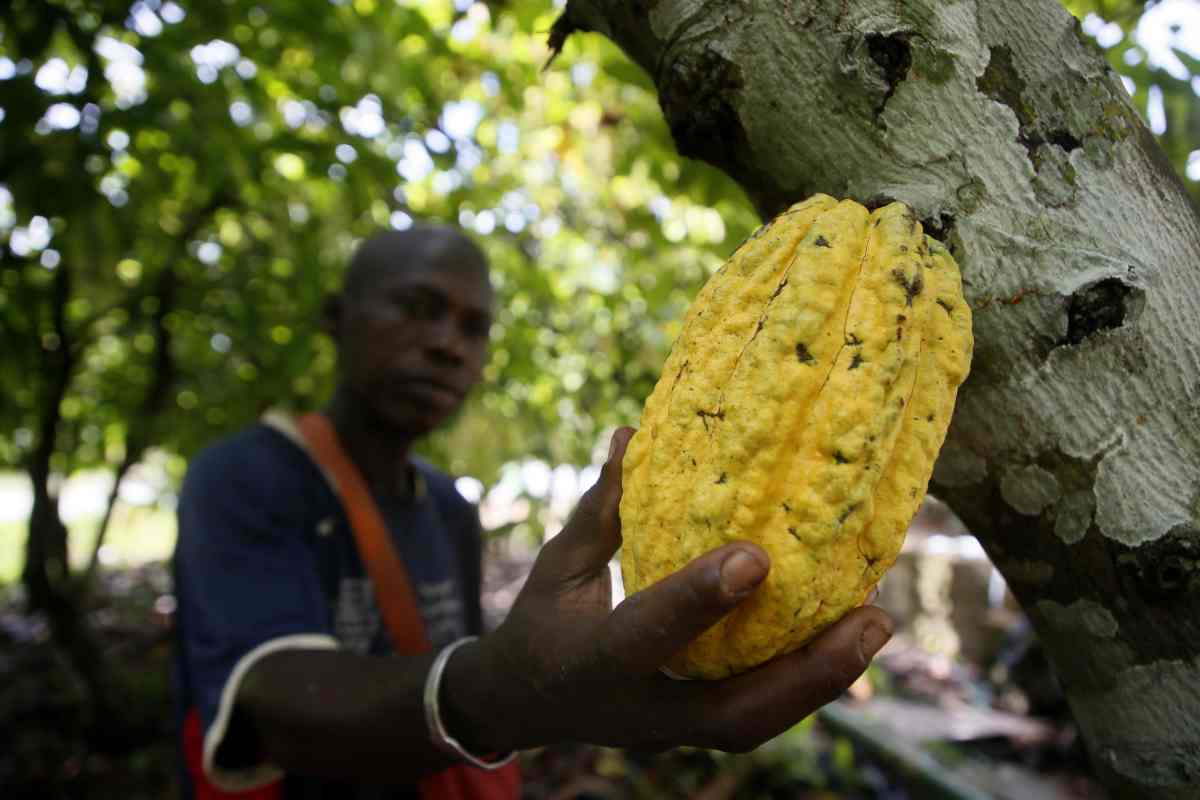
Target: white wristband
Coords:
[(433, 714)]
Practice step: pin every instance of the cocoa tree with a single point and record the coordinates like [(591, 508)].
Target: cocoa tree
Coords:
[(1075, 450)]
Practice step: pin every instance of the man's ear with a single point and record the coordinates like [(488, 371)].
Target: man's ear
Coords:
[(331, 315)]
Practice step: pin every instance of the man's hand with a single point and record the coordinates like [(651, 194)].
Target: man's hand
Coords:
[(564, 667)]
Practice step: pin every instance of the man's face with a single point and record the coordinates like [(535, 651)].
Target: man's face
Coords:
[(413, 342)]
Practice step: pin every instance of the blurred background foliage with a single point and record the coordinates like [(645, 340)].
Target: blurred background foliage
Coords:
[(196, 179)]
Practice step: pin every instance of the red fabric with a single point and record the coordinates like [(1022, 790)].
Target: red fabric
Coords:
[(202, 787), (397, 606), (464, 782)]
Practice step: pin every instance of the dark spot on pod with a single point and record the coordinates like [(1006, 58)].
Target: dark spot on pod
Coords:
[(822, 242), (903, 248), (694, 462), (802, 354), (786, 507), (705, 415), (723, 478), (911, 288), (856, 361), (779, 288), (846, 514), (853, 340), (795, 533), (945, 305), (929, 418), (840, 457)]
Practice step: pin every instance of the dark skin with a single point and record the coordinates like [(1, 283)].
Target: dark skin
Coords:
[(564, 665)]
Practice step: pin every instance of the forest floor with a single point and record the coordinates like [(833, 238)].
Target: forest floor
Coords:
[(916, 727)]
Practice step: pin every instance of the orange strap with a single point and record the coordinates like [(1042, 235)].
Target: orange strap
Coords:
[(397, 603), (393, 591)]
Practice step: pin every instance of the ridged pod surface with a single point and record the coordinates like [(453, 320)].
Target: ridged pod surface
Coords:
[(801, 408)]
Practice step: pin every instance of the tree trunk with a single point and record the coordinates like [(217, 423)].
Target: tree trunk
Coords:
[(139, 436), (1075, 451), (47, 572), (46, 564)]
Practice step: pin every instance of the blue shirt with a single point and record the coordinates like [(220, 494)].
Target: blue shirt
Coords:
[(265, 551)]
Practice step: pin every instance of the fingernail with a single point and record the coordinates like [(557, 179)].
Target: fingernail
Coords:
[(740, 573), (873, 638)]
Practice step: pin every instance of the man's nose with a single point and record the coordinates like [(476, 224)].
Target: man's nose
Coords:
[(445, 341)]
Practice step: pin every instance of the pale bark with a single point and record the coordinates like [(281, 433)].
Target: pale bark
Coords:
[(1075, 451)]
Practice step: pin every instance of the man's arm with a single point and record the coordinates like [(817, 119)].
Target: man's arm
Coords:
[(341, 715), (563, 666)]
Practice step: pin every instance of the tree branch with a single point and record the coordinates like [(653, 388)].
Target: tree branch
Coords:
[(138, 439)]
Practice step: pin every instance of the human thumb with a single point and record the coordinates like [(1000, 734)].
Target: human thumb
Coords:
[(836, 658)]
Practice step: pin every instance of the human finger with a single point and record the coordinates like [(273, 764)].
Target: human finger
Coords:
[(744, 711), (649, 627), (592, 534)]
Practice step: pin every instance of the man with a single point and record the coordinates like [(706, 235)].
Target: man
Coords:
[(282, 655)]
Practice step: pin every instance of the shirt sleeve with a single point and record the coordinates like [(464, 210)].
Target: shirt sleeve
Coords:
[(248, 585)]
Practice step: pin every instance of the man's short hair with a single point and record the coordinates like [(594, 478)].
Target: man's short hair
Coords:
[(421, 246)]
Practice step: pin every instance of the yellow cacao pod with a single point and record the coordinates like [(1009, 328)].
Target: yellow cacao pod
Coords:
[(801, 408)]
